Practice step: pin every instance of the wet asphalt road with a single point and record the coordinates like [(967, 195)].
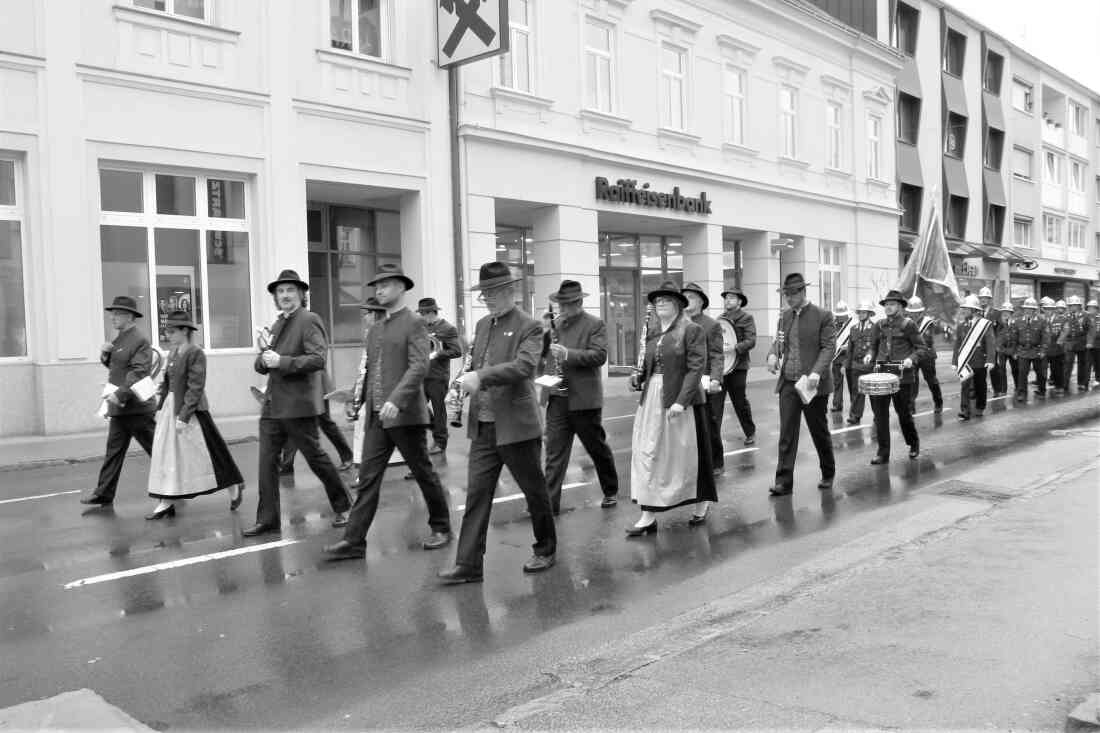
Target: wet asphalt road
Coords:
[(279, 638)]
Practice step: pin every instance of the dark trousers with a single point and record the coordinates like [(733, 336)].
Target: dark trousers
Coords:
[(485, 463), (561, 425), (332, 432), (998, 378), (713, 408), (839, 384), (1056, 371), (120, 430), (303, 434), (1081, 358), (903, 402), (378, 445), (1024, 365), (859, 400), (790, 408), (435, 390), (979, 386), (1094, 358), (733, 384), (927, 368)]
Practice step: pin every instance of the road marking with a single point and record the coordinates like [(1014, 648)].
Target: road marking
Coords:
[(743, 450), (40, 496), (179, 563), (618, 417), (517, 497)]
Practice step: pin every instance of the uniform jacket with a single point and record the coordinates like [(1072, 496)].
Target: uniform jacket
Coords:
[(505, 357), (928, 336), (1005, 339), (683, 349), (859, 346), (744, 325), (1056, 324), (295, 388), (398, 344), (897, 339), (715, 356), (839, 322), (817, 344), (1030, 336), (449, 348), (585, 338), (1075, 333), (129, 360), (185, 378), (1092, 335), (984, 353)]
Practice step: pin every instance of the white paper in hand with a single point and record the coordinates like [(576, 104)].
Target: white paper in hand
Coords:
[(804, 390), (108, 390), (548, 380), (144, 388)]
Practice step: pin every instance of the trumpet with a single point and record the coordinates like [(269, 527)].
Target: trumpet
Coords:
[(455, 400)]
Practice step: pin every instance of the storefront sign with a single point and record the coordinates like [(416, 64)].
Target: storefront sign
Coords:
[(965, 269), (1065, 271), (626, 191)]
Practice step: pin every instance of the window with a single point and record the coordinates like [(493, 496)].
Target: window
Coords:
[(830, 268), (177, 241), (516, 66), (1077, 176), (515, 247), (954, 52), (197, 9), (909, 201), (874, 146), (905, 29), (788, 121), (732, 265), (599, 65), (356, 26), (13, 314), (1021, 232), (1077, 117), (673, 87), (955, 219), (994, 148), (1021, 96), (994, 223), (954, 139), (1052, 168), (735, 105), (994, 65), (908, 118), (1075, 238), (832, 136), (1052, 229), (1021, 163)]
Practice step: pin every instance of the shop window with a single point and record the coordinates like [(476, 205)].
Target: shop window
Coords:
[(197, 9), (994, 147), (179, 242), (1021, 232), (357, 26), (734, 90), (994, 66), (516, 66), (906, 21), (908, 118), (830, 270), (13, 313), (994, 223), (1022, 98), (909, 202), (1021, 163), (954, 52), (874, 146), (599, 65), (1052, 229), (955, 219), (674, 84), (515, 247), (954, 137), (788, 121)]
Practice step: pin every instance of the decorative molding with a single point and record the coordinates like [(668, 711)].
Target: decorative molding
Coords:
[(790, 71), (595, 119), (838, 172), (836, 88), (670, 24), (667, 134), (524, 98), (174, 23), (742, 150), (879, 183), (363, 63), (735, 50), (879, 97), (792, 162), (150, 82), (346, 114), (612, 10)]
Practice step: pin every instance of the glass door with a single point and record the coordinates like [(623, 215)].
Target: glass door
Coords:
[(619, 290)]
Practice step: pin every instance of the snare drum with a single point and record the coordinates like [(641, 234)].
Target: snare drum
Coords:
[(879, 383)]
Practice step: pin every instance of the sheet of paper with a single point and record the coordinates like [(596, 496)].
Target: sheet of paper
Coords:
[(804, 391), (144, 388), (548, 380), (108, 390)]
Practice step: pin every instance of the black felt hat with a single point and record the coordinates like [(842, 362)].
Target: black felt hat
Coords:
[(493, 275), (698, 289), (392, 272), (287, 276), (670, 289), (124, 303)]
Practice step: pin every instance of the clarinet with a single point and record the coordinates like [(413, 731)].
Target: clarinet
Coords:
[(360, 379), (455, 399), (639, 365), (558, 371)]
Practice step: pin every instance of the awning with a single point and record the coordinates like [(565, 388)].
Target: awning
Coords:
[(954, 96), (994, 188), (909, 165), (994, 115), (955, 177), (989, 251), (959, 248), (1014, 255), (908, 81)]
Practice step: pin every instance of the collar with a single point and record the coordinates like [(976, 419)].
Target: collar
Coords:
[(287, 316), (390, 315), (496, 319)]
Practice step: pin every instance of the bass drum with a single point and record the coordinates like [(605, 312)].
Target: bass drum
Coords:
[(729, 340)]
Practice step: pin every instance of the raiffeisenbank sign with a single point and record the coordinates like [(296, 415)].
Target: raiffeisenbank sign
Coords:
[(626, 191)]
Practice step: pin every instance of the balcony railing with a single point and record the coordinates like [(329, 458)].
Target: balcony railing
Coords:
[(1054, 134)]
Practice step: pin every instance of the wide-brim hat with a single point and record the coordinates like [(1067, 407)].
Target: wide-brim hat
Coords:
[(287, 276), (493, 275), (738, 293), (179, 319), (371, 304), (793, 283), (697, 289), (124, 303), (568, 292), (896, 296), (392, 272), (427, 305), (670, 289)]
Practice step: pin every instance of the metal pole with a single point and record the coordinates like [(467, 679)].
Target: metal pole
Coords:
[(456, 204)]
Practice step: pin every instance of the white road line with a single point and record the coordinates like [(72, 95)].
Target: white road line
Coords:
[(517, 497), (40, 496), (618, 417), (742, 450), (179, 563)]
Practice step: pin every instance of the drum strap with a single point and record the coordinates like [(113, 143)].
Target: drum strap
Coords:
[(844, 337), (970, 344)]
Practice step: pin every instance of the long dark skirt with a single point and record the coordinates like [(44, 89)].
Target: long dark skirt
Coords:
[(226, 473)]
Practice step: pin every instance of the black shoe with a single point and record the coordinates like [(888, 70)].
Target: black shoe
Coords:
[(834, 408), (96, 500), (340, 520), (168, 511), (750, 440), (914, 451), (436, 540), (719, 470), (437, 449), (964, 416), (635, 531), (853, 420), (235, 503), (258, 529), (608, 502), (781, 491), (879, 460), (538, 563), (287, 470), (344, 466), (696, 519), (979, 413), (937, 409), (825, 483), (409, 476), (344, 550), (459, 574)]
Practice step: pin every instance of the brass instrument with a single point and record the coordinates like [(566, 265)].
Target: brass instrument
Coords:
[(455, 400), (639, 365), (435, 346), (557, 378)]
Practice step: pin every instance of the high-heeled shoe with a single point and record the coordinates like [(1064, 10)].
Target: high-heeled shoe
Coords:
[(636, 531), (697, 519), (168, 511), (236, 501)]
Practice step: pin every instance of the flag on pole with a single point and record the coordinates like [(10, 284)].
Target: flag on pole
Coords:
[(928, 273)]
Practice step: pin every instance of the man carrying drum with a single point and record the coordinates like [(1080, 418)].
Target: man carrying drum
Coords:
[(896, 345)]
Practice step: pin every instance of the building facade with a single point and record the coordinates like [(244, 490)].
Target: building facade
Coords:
[(184, 152)]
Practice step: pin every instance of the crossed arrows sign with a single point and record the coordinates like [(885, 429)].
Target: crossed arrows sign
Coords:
[(468, 20)]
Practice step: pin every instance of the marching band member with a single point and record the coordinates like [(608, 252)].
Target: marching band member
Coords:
[(742, 327), (1055, 363), (841, 319), (1006, 350), (1030, 336), (975, 350), (1073, 339), (1092, 339), (859, 345), (712, 369), (987, 310), (896, 339), (926, 326), (438, 380)]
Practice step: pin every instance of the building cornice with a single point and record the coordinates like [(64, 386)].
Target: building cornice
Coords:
[(151, 82), (672, 20)]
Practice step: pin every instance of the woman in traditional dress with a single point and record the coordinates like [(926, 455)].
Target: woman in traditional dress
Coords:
[(182, 396), (671, 462)]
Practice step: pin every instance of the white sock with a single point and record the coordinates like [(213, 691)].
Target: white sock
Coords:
[(646, 518)]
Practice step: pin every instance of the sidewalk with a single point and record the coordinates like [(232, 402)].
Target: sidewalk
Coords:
[(987, 622)]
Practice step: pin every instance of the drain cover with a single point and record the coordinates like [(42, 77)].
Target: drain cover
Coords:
[(970, 490)]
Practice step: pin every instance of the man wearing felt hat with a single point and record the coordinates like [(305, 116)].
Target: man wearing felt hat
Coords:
[(738, 339), (575, 405), (129, 359), (895, 342), (294, 361), (712, 368), (504, 426), (445, 346)]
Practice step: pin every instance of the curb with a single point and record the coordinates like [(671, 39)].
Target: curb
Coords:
[(75, 710), (1085, 716)]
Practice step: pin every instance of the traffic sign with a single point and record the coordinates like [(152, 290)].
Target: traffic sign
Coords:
[(471, 29)]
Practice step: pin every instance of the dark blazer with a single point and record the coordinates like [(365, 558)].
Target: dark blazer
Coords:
[(129, 361), (683, 355), (859, 345), (400, 344), (715, 356), (1030, 336), (185, 377), (928, 336), (986, 353), (816, 344), (440, 366), (506, 365), (585, 338), (897, 339), (744, 325), (295, 388)]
